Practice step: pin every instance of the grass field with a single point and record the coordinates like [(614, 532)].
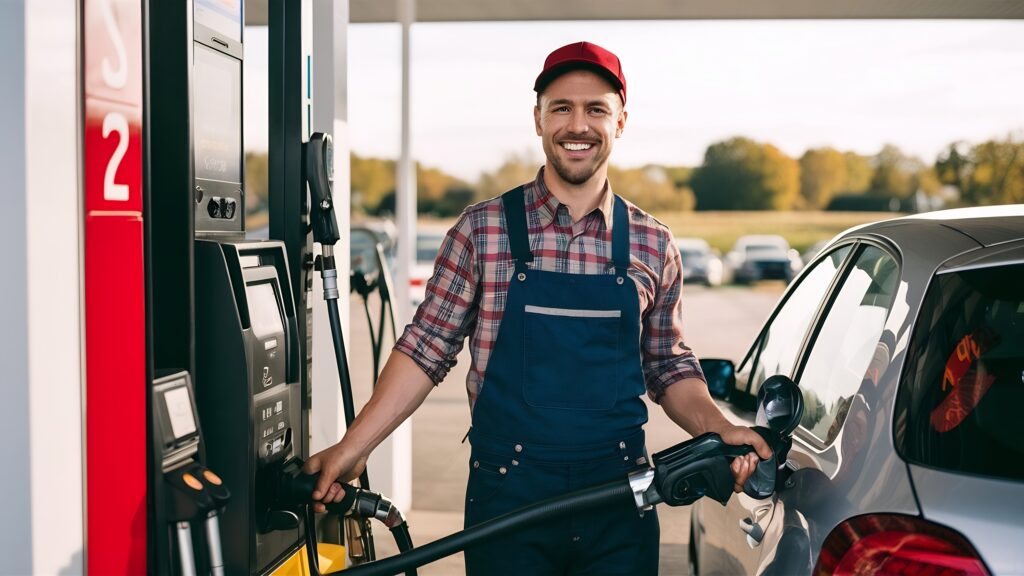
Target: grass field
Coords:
[(721, 229), (801, 229)]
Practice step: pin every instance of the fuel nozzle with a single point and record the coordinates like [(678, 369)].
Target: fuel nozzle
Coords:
[(699, 467), (319, 168), (296, 489)]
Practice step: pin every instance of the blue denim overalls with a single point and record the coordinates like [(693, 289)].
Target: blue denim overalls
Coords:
[(560, 410)]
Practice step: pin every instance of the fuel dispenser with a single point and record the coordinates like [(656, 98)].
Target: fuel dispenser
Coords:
[(248, 391), (249, 362), (229, 311), (193, 494)]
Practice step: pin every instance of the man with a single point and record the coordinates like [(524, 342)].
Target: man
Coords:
[(570, 297)]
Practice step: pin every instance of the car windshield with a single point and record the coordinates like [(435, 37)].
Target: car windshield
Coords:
[(965, 376), (427, 247), (763, 249)]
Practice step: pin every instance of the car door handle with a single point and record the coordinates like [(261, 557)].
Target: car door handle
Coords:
[(752, 526)]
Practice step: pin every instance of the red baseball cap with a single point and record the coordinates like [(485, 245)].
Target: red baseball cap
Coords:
[(582, 56)]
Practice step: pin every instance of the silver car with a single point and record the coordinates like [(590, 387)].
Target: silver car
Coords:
[(701, 263), (762, 257), (907, 340)]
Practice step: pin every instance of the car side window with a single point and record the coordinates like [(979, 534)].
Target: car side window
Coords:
[(846, 350), (777, 349)]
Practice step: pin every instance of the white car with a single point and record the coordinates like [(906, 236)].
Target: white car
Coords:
[(763, 257), (701, 263), (428, 243)]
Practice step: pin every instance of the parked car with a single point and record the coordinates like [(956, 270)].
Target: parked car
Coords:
[(762, 257), (701, 263), (907, 340), (809, 254), (428, 242)]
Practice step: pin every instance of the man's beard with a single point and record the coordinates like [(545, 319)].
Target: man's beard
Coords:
[(577, 175)]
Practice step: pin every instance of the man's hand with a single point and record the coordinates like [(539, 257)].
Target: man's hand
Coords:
[(743, 467), (335, 464)]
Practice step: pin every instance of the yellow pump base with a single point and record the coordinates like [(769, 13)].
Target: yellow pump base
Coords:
[(332, 558)]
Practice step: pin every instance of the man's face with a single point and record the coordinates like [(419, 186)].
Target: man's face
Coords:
[(578, 117)]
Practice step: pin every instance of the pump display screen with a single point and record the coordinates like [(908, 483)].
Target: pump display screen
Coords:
[(221, 16), (263, 310), (179, 412), (218, 115)]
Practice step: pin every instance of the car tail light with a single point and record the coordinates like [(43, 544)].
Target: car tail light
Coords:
[(417, 281), (891, 544)]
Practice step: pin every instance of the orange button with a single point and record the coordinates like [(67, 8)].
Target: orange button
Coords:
[(212, 478), (191, 481)]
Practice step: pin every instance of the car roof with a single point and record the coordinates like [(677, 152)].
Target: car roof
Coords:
[(691, 242), (986, 225), (773, 239)]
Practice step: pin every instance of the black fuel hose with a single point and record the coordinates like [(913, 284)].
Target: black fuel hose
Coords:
[(345, 379), (402, 538), (517, 519)]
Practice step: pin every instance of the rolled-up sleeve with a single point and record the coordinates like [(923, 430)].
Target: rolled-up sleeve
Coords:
[(666, 358), (438, 329)]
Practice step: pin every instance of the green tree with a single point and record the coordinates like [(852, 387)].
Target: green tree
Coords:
[(433, 187), (995, 173), (372, 180), (649, 187), (899, 176), (823, 174), (517, 169), (741, 174), (953, 165), (256, 176), (858, 173)]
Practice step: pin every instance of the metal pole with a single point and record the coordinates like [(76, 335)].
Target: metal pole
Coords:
[(214, 546), (405, 196), (185, 556)]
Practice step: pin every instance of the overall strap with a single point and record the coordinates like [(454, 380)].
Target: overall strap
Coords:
[(620, 236), (515, 223)]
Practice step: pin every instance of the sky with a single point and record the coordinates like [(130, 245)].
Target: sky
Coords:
[(852, 85)]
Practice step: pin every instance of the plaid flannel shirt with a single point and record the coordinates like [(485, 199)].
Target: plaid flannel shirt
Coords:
[(466, 294)]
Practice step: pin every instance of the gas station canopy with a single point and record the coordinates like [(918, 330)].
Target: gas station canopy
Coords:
[(366, 11)]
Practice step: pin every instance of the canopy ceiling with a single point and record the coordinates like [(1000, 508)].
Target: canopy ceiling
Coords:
[(362, 11)]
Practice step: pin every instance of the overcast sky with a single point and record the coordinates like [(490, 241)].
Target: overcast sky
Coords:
[(854, 85)]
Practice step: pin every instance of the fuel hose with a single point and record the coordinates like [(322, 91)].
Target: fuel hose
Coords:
[(515, 520)]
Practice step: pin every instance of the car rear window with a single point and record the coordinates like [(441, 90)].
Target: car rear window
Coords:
[(963, 389)]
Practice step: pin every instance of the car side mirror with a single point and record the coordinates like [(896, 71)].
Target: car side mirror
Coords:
[(720, 375), (780, 405)]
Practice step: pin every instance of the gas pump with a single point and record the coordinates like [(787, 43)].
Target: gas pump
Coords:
[(192, 493), (228, 309)]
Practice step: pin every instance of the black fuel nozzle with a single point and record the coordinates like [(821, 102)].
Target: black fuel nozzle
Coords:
[(700, 467), (295, 488), (318, 163)]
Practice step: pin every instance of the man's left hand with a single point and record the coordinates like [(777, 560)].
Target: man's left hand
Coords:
[(743, 466)]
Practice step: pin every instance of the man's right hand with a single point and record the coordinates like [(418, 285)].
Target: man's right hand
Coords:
[(336, 464), (401, 388)]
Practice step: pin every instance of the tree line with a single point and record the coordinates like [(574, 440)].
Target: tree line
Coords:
[(736, 174)]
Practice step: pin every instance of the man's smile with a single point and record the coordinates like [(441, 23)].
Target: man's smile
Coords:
[(576, 146)]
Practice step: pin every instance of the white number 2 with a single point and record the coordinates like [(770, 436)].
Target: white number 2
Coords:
[(115, 122)]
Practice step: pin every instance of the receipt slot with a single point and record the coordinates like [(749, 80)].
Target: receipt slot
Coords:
[(193, 494), (248, 392)]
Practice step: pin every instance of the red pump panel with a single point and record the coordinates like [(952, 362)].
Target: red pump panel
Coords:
[(115, 335)]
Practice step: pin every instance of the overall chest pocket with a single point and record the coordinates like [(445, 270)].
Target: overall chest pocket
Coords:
[(571, 358)]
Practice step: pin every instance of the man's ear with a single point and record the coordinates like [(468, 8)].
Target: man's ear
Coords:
[(536, 119), (621, 123)]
